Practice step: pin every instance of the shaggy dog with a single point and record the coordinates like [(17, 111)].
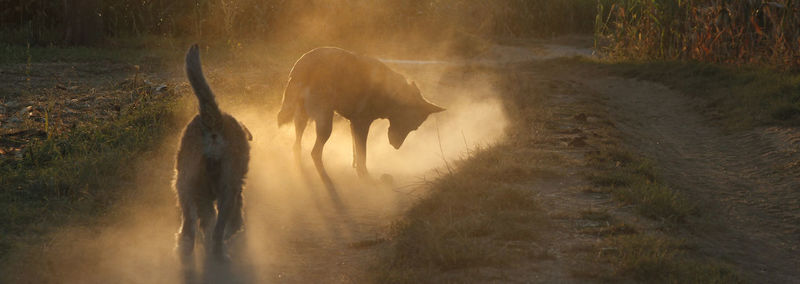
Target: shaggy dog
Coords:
[(211, 166)]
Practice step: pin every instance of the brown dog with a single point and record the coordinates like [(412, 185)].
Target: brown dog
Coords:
[(360, 88), (211, 166)]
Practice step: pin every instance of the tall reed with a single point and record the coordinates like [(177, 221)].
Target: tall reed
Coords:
[(721, 31)]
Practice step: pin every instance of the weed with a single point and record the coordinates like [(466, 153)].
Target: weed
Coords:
[(633, 180), (659, 259)]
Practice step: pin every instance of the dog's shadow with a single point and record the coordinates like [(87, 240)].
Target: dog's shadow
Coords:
[(212, 270)]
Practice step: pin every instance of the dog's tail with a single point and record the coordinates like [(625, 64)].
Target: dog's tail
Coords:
[(210, 114), (289, 106)]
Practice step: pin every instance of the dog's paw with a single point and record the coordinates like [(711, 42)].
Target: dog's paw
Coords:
[(219, 254), (221, 257)]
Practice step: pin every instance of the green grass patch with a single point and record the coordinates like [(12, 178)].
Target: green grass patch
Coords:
[(743, 97), (633, 180), (74, 174), (659, 259)]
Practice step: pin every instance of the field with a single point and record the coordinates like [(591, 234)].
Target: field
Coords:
[(582, 142)]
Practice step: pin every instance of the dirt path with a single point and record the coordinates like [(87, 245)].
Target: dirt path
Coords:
[(296, 231), (299, 233), (747, 184)]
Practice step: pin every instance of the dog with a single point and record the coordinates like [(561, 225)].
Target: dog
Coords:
[(212, 162), (359, 88)]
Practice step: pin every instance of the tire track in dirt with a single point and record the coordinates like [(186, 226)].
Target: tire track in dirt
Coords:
[(747, 184)]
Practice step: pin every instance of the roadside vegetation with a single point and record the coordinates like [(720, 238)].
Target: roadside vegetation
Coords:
[(633, 181), (738, 32), (740, 57), (471, 217), (652, 256), (59, 174)]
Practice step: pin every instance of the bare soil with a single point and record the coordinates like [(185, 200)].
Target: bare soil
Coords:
[(747, 183)]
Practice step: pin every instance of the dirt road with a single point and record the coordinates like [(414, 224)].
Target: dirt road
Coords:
[(747, 183), (297, 232)]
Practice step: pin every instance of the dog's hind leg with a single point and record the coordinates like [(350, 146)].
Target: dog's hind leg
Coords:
[(226, 208), (300, 122), (324, 124), (186, 236), (236, 222), (208, 217)]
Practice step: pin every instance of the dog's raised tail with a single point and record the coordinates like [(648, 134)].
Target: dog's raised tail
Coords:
[(210, 114), (289, 105)]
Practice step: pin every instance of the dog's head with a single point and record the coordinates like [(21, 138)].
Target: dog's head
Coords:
[(410, 117)]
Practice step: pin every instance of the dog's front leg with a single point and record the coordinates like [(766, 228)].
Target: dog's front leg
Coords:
[(360, 131)]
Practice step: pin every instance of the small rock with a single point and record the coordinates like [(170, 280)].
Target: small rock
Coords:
[(387, 179)]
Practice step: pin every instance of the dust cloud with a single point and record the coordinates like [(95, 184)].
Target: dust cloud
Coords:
[(295, 229)]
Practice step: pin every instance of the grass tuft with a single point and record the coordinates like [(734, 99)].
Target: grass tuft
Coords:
[(634, 181), (657, 259), (467, 220)]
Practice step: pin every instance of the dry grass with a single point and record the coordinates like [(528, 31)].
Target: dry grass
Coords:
[(661, 259), (633, 180), (468, 219), (733, 32), (647, 256), (485, 213)]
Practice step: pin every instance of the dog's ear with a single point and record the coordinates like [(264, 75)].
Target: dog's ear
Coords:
[(432, 108)]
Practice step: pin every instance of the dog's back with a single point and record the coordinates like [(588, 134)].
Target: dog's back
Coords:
[(346, 79)]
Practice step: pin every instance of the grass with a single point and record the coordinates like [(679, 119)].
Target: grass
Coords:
[(661, 259), (647, 255), (633, 180), (73, 175), (468, 218), (741, 97), (651, 257)]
